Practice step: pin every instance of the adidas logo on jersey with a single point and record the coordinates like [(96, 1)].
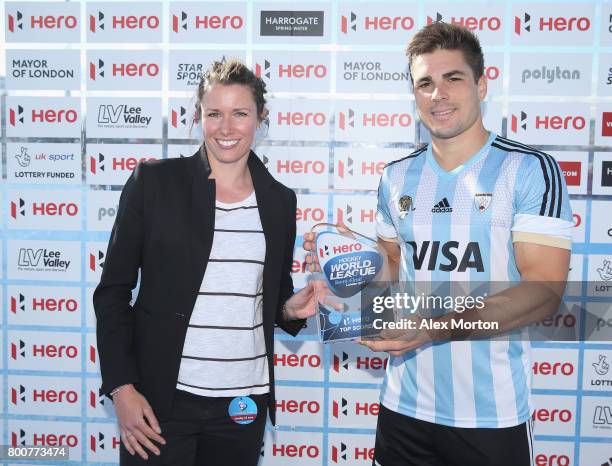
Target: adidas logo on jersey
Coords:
[(442, 206)]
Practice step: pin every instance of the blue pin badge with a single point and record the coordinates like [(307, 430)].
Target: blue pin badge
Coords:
[(242, 410)]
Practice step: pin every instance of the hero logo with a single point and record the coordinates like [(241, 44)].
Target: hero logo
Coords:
[(340, 453), (345, 248), (309, 214), (473, 23), (42, 22), (365, 215), (297, 166), (301, 119), (556, 368), (48, 440), (96, 399), (552, 415), (460, 257), (18, 350), (122, 70), (112, 114), (558, 320), (295, 451), (98, 442), (178, 117), (293, 360), (44, 304), (291, 71), (207, 22), (43, 115), (48, 209), (571, 172), (97, 22), (96, 261), (92, 354), (294, 406), (365, 363), (548, 122), (44, 396), (551, 24), (361, 409), (385, 120), (552, 460), (97, 163), (346, 169), (376, 23)]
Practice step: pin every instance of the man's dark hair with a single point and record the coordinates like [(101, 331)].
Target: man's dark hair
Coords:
[(444, 36)]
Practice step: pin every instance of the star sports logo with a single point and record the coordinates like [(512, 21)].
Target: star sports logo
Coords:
[(96, 22), (345, 170), (18, 395), (18, 303), (263, 72), (96, 163), (346, 119), (16, 116), (518, 121), (177, 117), (349, 22), (522, 24), (96, 261), (340, 362), (96, 70), (340, 408), (179, 23), (18, 350), (15, 22), (18, 208)]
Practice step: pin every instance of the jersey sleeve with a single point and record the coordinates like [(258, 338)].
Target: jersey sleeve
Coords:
[(385, 228), (542, 209)]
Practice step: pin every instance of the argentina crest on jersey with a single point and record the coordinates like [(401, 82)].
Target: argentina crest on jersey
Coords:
[(482, 201)]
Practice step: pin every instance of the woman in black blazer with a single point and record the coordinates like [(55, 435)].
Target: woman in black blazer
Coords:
[(169, 394)]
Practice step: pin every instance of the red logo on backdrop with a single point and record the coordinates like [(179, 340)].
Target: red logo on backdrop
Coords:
[(571, 172), (96, 261), (522, 24), (18, 208), (98, 442), (179, 22), (96, 22), (263, 72), (18, 350), (16, 115), (347, 119), (96, 70), (340, 408), (338, 453), (96, 163), (551, 24), (348, 170), (472, 23), (606, 124), (95, 399), (208, 22), (177, 117), (18, 438), (340, 361), (347, 23), (18, 395), (15, 21), (17, 303), (376, 23), (92, 354), (518, 121)]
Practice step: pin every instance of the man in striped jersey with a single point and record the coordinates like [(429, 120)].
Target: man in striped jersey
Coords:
[(469, 206)]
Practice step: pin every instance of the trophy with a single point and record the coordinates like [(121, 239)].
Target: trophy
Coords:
[(352, 272)]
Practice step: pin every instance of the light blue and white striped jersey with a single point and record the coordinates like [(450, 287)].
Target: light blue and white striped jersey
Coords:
[(461, 226)]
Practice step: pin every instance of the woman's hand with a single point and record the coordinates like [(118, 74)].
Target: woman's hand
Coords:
[(302, 304), (137, 422)]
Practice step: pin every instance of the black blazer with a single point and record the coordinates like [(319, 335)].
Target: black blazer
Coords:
[(164, 229)]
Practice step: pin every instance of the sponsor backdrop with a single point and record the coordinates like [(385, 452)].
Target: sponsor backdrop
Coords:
[(88, 89)]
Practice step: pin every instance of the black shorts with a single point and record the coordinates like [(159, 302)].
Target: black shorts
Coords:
[(406, 441)]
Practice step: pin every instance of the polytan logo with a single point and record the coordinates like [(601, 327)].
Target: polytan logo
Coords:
[(555, 369), (112, 163), (565, 25), (45, 351), (43, 116), (370, 121), (47, 434), (102, 209), (44, 163), (218, 22), (48, 260), (283, 447), (572, 172), (379, 23), (134, 70), (294, 71), (43, 69), (45, 395), (357, 213), (298, 360), (538, 124), (372, 72), (353, 408), (351, 449), (124, 117), (311, 209), (58, 210), (554, 416), (40, 305), (43, 22), (297, 167), (299, 120), (124, 22), (299, 406)]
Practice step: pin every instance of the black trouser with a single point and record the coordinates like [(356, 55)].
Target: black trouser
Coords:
[(406, 441), (201, 433)]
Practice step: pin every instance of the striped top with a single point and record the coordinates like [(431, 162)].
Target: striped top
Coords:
[(225, 352), (461, 226)]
